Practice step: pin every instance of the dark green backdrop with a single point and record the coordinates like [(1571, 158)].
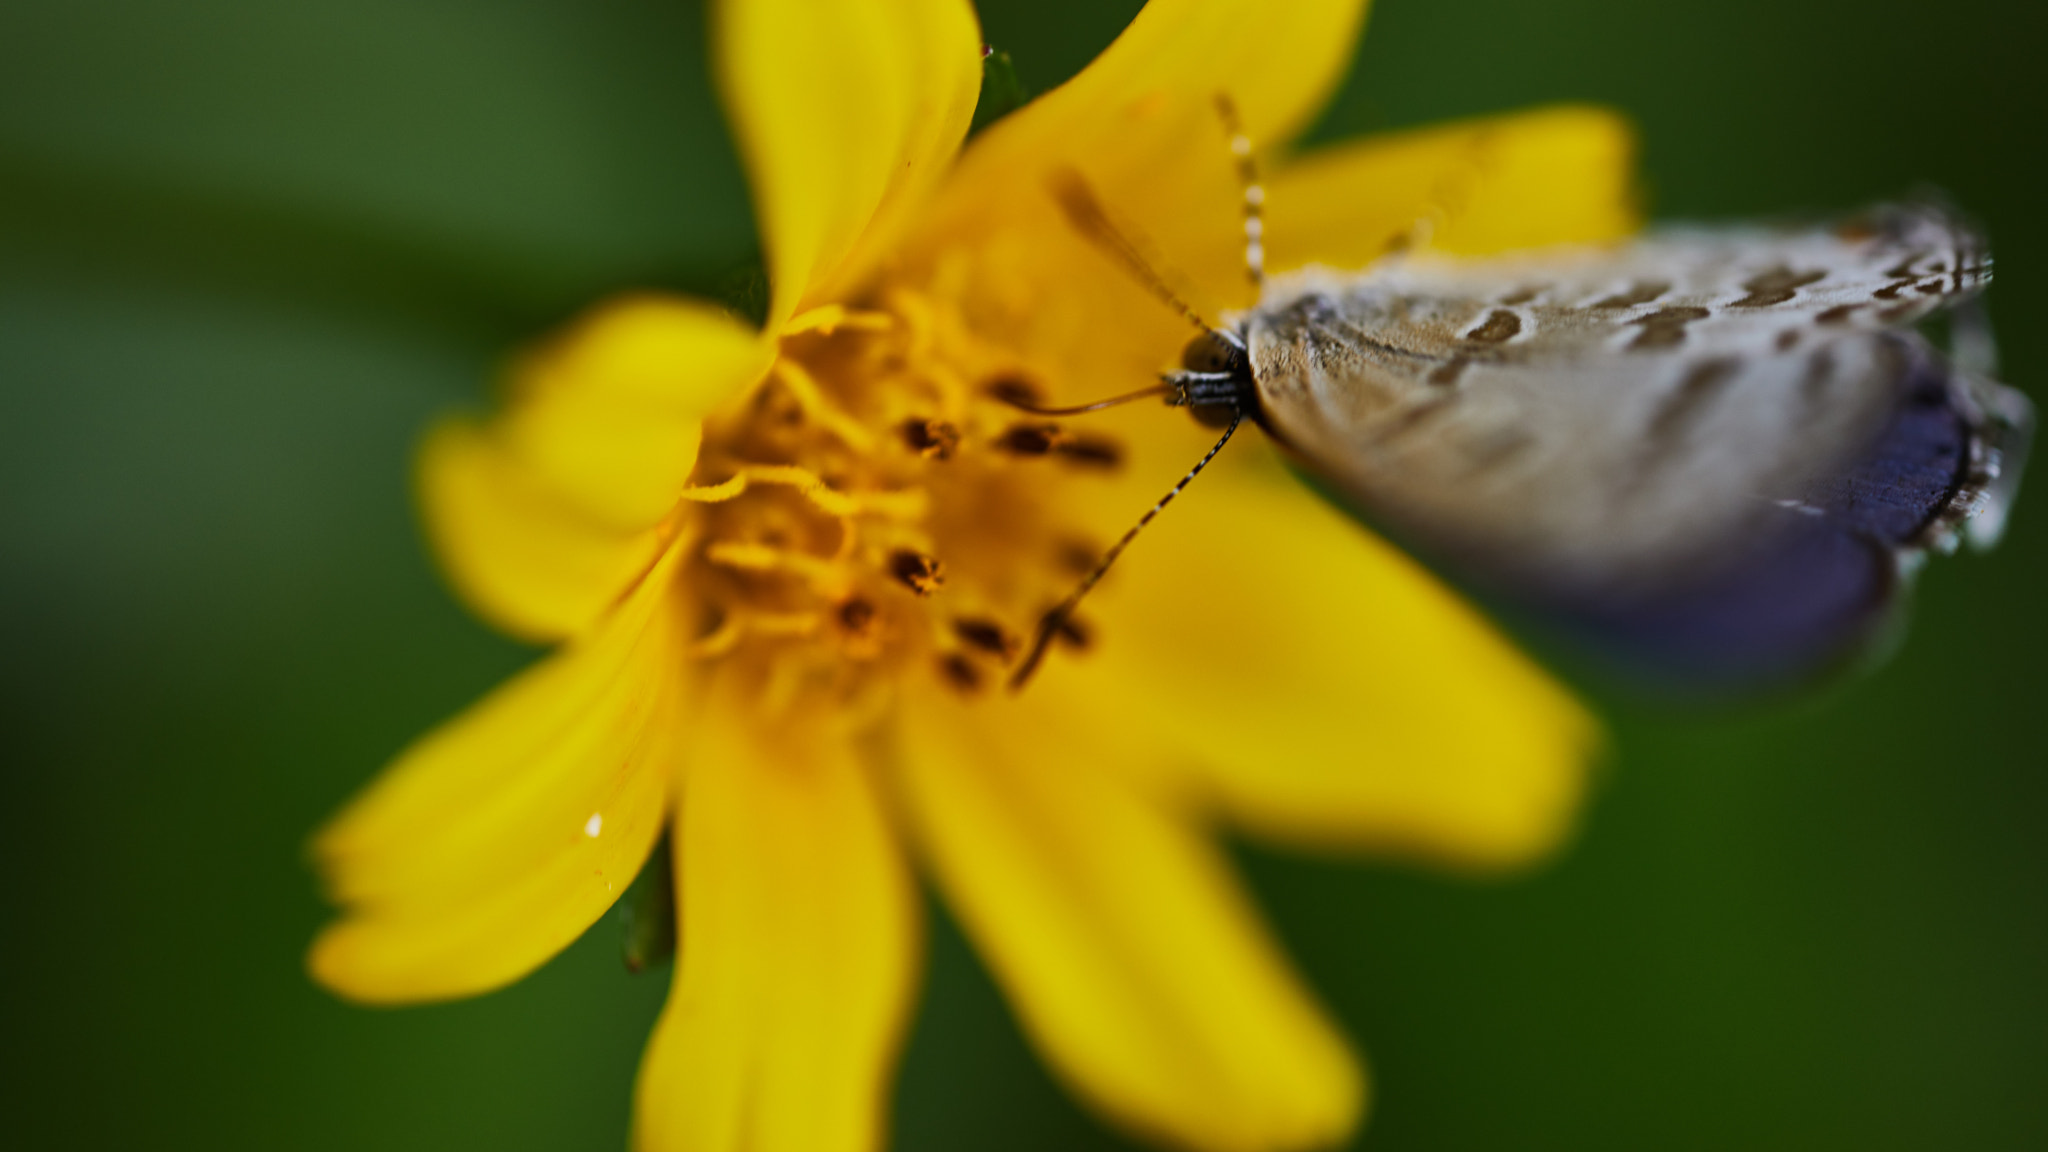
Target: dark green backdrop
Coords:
[(246, 249)]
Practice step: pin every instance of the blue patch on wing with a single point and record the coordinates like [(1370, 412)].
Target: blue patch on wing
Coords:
[(1820, 574)]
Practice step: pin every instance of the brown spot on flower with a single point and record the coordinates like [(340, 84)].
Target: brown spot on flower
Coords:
[(986, 635), (862, 626), (1074, 634), (922, 574), (933, 438), (1091, 451), (841, 500), (1839, 314), (1029, 439), (1078, 556), (1012, 388), (856, 615), (960, 672)]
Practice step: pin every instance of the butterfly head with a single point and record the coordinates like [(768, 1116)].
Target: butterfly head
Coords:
[(1215, 381)]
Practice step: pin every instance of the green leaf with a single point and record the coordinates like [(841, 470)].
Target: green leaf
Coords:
[(1001, 92), (649, 913)]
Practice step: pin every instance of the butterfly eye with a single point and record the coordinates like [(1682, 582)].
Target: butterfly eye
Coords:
[(1209, 352)]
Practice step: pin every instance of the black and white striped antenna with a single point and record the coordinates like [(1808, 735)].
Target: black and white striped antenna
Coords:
[(1088, 216)]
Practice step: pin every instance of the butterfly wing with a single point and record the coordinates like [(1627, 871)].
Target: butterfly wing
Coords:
[(1714, 445)]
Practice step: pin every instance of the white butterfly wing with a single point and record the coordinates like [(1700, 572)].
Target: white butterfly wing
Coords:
[(1628, 429)]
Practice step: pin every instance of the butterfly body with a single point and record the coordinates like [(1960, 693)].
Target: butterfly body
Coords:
[(1720, 448)]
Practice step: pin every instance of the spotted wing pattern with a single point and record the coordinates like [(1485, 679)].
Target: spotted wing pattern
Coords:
[(1719, 445)]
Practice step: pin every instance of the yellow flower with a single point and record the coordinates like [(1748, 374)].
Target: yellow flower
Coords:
[(786, 570)]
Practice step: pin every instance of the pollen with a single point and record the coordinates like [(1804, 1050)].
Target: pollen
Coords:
[(875, 513), (1030, 439), (934, 438)]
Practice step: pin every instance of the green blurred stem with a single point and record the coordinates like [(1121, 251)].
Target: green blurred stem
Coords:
[(1001, 92), (649, 913)]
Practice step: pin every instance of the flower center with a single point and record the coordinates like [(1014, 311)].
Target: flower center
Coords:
[(874, 510)]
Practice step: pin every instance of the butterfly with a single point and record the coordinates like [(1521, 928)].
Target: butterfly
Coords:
[(1720, 453)]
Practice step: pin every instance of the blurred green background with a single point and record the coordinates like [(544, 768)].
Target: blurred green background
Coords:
[(247, 248)]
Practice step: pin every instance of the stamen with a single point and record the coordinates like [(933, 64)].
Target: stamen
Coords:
[(804, 388), (719, 640), (856, 615), (1091, 451), (1029, 439), (822, 575), (935, 439), (830, 318), (902, 504), (960, 672), (988, 636), (864, 632), (1015, 391), (716, 493), (915, 314), (738, 625), (845, 422), (920, 573)]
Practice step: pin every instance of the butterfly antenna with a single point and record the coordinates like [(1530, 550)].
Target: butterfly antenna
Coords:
[(1254, 191), (1055, 621), (1091, 219), (1020, 403)]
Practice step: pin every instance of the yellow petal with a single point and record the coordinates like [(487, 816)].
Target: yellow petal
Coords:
[(1548, 176), (516, 552), (845, 113), (1319, 686), (799, 932), (1140, 125), (544, 515), (1126, 945), (499, 837), (608, 414)]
